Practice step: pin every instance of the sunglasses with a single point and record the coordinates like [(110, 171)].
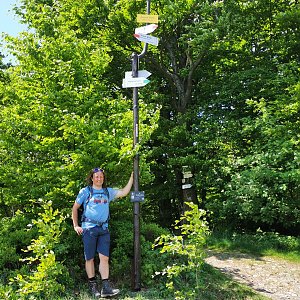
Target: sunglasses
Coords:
[(95, 170)]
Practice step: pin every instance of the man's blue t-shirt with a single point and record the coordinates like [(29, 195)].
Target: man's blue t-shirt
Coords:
[(98, 206)]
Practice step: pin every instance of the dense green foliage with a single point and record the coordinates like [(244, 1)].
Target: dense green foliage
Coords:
[(224, 100)]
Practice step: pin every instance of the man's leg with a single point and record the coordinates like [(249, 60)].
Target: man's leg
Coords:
[(106, 291), (90, 271), (104, 266), (90, 268), (90, 242)]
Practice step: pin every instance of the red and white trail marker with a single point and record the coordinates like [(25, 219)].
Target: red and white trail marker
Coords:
[(146, 29), (149, 39)]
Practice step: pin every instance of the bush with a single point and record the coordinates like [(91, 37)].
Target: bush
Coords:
[(258, 243), (152, 259), (122, 251), (276, 241), (46, 276), (14, 236), (187, 251)]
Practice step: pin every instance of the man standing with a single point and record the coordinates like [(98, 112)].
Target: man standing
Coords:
[(95, 199)]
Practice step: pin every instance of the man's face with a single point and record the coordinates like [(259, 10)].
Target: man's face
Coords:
[(98, 178)]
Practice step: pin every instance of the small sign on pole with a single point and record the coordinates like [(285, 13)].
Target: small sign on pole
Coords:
[(138, 196), (147, 18)]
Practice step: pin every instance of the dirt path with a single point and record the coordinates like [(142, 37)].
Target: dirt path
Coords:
[(274, 278)]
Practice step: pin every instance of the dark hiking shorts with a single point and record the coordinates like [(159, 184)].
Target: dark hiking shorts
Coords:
[(95, 239)]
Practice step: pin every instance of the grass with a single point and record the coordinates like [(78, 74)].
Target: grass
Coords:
[(260, 243), (217, 286)]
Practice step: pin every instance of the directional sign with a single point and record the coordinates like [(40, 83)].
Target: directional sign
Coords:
[(187, 175), (147, 19), (141, 73), (146, 29), (186, 186), (149, 39), (134, 82)]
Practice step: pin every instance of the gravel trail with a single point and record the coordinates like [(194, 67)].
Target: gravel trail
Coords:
[(275, 278)]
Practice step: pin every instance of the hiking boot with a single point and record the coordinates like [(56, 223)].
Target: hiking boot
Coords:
[(93, 288), (107, 291)]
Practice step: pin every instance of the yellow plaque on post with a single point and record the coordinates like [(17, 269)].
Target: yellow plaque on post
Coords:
[(147, 18)]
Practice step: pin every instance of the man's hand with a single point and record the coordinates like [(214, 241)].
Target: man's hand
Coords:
[(78, 230)]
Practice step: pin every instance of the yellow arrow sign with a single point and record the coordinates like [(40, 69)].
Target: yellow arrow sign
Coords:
[(147, 18)]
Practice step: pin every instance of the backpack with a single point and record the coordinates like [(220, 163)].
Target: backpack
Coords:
[(82, 208)]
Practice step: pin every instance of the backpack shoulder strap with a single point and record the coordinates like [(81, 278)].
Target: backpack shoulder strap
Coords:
[(88, 198), (106, 192)]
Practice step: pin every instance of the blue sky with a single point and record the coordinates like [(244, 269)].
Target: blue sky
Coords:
[(8, 21)]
